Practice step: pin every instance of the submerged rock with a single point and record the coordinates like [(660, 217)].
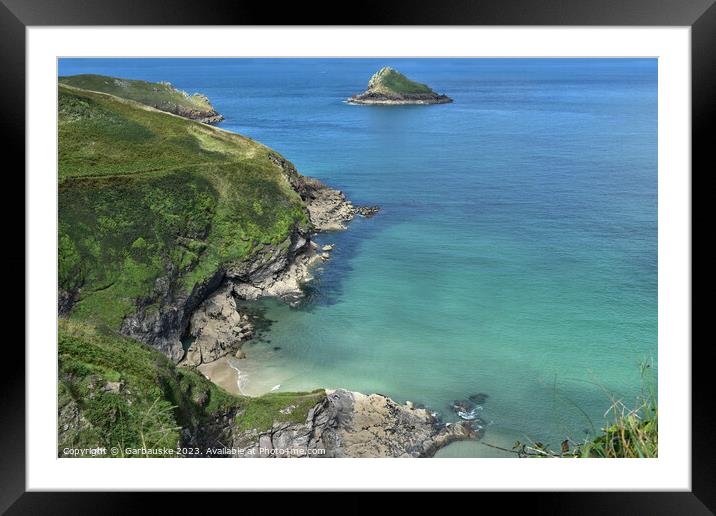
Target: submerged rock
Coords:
[(478, 398), (467, 410)]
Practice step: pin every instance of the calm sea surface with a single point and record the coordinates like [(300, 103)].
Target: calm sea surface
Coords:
[(516, 251)]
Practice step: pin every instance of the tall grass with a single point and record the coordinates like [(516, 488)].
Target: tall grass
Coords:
[(635, 431), (632, 432)]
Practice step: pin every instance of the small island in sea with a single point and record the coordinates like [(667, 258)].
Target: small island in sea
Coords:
[(390, 87)]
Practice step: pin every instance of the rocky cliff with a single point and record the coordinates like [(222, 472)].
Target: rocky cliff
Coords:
[(275, 270)]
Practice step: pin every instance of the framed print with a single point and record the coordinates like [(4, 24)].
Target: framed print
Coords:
[(430, 248)]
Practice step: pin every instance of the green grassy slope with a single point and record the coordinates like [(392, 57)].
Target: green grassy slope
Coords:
[(145, 196), (387, 81), (117, 392), (156, 94), (142, 192)]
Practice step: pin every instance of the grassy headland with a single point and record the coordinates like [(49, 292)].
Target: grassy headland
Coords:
[(159, 95), (142, 192)]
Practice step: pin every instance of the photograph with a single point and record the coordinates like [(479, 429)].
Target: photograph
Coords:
[(357, 257), (449, 248)]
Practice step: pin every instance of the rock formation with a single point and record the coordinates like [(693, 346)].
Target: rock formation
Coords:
[(217, 329), (390, 87), (343, 424)]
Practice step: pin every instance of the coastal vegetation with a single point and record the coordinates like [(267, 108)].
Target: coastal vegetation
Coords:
[(633, 434), (390, 81), (632, 430)]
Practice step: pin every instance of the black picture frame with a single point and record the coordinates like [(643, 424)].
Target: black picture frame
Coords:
[(17, 15)]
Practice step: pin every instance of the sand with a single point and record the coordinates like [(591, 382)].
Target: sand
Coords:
[(223, 374)]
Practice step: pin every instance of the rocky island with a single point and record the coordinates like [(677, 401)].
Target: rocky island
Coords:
[(159, 95), (164, 225), (390, 87)]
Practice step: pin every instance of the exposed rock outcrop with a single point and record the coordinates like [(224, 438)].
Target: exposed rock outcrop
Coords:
[(210, 116), (344, 424), (161, 319), (71, 422), (65, 301), (367, 211), (216, 329), (328, 209)]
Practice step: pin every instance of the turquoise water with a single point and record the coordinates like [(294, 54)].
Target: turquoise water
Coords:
[(515, 253)]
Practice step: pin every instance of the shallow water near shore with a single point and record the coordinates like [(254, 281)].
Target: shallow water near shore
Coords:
[(516, 250)]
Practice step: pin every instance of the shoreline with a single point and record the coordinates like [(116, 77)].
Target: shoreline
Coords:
[(223, 373), (219, 326), (397, 102), (286, 286), (344, 423)]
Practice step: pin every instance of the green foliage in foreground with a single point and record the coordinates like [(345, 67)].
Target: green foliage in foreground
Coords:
[(136, 413), (145, 195), (388, 80), (633, 432), (117, 392), (160, 95)]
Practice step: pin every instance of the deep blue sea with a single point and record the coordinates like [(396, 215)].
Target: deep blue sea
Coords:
[(516, 251)]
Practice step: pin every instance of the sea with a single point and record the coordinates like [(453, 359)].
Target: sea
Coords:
[(515, 253)]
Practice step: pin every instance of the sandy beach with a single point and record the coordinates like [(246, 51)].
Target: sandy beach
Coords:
[(223, 374)]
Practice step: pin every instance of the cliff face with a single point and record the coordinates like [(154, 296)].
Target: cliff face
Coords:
[(143, 247), (390, 87), (157, 211), (207, 116)]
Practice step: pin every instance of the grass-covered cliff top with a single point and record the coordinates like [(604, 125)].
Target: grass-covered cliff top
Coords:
[(160, 95), (145, 195), (390, 81)]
